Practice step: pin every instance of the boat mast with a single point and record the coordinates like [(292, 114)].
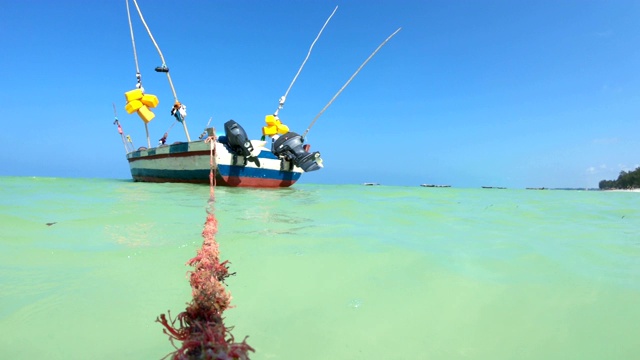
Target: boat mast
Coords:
[(180, 109), (138, 75)]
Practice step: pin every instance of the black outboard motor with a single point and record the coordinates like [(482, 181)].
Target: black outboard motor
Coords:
[(237, 139), (289, 146)]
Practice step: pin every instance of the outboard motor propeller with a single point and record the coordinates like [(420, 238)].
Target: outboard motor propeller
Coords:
[(290, 146), (239, 141)]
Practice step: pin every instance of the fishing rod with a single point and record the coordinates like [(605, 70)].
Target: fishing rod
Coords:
[(284, 97), (117, 122), (348, 81)]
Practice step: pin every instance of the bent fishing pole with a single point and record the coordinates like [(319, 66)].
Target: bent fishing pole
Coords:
[(348, 81), (284, 97)]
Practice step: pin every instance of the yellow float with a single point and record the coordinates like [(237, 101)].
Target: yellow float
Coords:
[(139, 102), (274, 126)]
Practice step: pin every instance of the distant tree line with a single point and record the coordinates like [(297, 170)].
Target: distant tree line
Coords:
[(626, 180)]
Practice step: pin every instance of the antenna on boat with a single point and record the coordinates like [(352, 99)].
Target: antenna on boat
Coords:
[(179, 110), (284, 97), (348, 81)]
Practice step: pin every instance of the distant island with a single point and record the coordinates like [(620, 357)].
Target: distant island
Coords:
[(626, 180)]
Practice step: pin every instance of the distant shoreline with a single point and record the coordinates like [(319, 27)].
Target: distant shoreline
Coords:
[(623, 190)]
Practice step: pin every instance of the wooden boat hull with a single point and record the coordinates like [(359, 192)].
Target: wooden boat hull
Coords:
[(190, 163)]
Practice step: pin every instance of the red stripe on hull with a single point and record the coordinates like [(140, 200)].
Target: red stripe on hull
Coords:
[(226, 181), (165, 180), (235, 181)]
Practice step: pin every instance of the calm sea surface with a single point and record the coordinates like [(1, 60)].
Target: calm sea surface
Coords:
[(323, 271)]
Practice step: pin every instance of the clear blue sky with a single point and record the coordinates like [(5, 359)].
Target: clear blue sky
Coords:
[(469, 93)]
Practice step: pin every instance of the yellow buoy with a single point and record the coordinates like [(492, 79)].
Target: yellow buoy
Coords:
[(150, 100), (282, 128), (133, 106), (133, 95), (145, 114), (274, 126)]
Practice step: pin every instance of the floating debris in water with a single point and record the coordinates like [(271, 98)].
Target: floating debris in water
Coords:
[(355, 303)]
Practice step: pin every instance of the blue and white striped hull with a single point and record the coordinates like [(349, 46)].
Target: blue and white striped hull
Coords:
[(189, 163)]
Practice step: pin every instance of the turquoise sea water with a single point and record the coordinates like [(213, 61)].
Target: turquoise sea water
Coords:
[(323, 271)]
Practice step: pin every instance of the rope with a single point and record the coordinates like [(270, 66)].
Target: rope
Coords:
[(133, 43), (201, 327), (212, 178), (157, 48), (170, 127), (348, 81), (284, 97)]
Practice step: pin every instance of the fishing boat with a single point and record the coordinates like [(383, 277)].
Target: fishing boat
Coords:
[(278, 159), (239, 162)]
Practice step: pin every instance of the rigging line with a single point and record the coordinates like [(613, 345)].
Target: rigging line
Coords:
[(284, 97), (348, 81), (171, 126), (157, 48), (133, 41)]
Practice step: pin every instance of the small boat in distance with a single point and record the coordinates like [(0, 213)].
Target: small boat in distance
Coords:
[(370, 184), (493, 187), (435, 186)]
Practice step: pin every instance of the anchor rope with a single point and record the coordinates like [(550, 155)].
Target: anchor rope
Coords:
[(212, 178), (201, 327)]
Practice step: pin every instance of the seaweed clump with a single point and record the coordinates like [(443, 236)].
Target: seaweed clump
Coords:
[(200, 327)]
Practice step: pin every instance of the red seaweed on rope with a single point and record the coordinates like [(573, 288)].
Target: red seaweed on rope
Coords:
[(200, 327)]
